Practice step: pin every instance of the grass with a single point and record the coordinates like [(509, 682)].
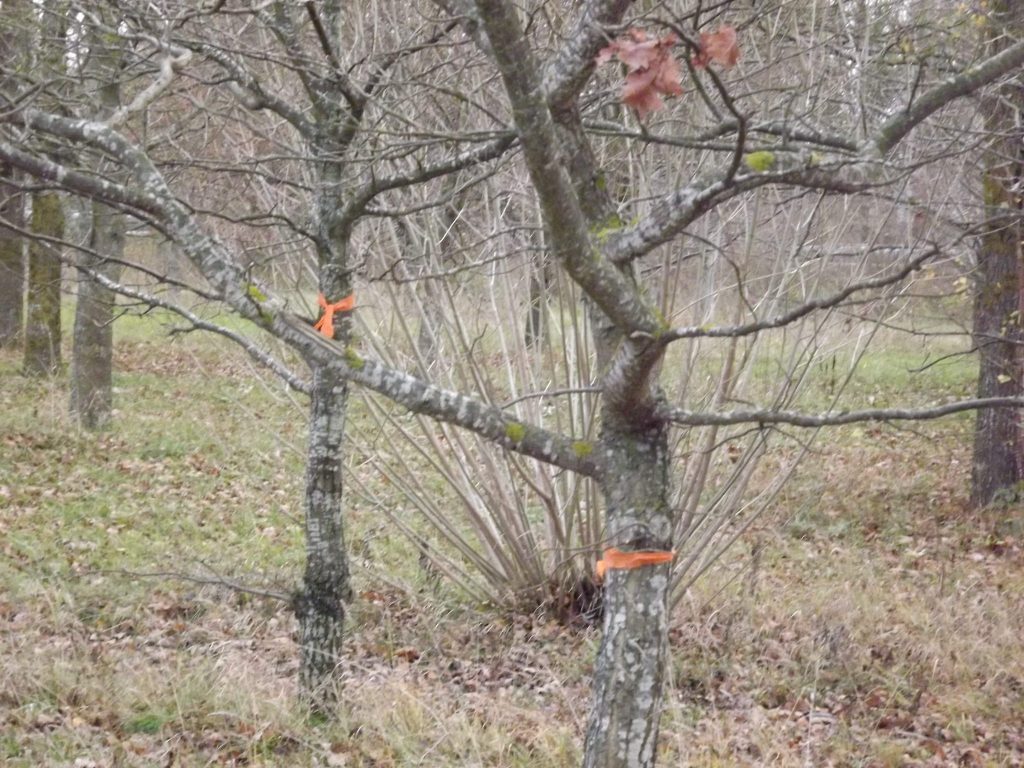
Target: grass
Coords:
[(878, 625)]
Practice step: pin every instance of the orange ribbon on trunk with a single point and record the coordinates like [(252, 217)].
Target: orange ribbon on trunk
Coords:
[(326, 322), (624, 561)]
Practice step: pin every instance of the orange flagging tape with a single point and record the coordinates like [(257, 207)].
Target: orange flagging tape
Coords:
[(326, 322), (623, 561)]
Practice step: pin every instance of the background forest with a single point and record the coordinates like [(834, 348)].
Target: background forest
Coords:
[(491, 383)]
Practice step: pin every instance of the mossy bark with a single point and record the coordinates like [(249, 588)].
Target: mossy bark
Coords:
[(998, 335), (12, 270), (93, 337), (14, 50), (42, 322), (92, 349)]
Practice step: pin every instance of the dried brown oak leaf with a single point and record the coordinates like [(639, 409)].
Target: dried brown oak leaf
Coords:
[(720, 46), (651, 70)]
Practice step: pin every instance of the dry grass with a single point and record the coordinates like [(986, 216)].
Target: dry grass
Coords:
[(880, 623)]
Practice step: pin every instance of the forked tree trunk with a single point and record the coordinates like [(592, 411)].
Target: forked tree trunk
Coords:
[(12, 271), (629, 676), (42, 322), (93, 340), (320, 605), (998, 333)]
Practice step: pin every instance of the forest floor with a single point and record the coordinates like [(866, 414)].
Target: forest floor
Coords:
[(879, 622)]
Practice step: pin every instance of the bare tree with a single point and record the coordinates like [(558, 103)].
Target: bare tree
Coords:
[(363, 132)]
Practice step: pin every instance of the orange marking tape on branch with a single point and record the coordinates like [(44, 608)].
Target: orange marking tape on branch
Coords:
[(624, 561), (326, 322)]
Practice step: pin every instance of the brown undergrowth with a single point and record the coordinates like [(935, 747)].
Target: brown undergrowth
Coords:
[(868, 620)]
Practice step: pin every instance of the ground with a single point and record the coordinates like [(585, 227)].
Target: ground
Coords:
[(869, 619)]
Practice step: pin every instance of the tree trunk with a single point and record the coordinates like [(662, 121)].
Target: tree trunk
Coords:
[(93, 339), (320, 606), (92, 353), (42, 324), (997, 333), (629, 676), (12, 270), (997, 304), (14, 49)]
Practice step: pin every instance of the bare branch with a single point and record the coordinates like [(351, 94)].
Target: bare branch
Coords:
[(687, 418), (606, 285), (934, 99), (250, 93), (730, 331), (267, 311), (840, 173), (490, 422), (169, 67), (257, 353)]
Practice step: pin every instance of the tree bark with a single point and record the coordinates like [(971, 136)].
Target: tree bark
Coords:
[(93, 338), (629, 675), (325, 589), (997, 304), (13, 57), (320, 605), (42, 323)]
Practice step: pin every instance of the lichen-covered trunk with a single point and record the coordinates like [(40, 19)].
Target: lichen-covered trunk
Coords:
[(997, 305), (629, 675), (93, 338), (42, 320), (12, 271), (320, 604)]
